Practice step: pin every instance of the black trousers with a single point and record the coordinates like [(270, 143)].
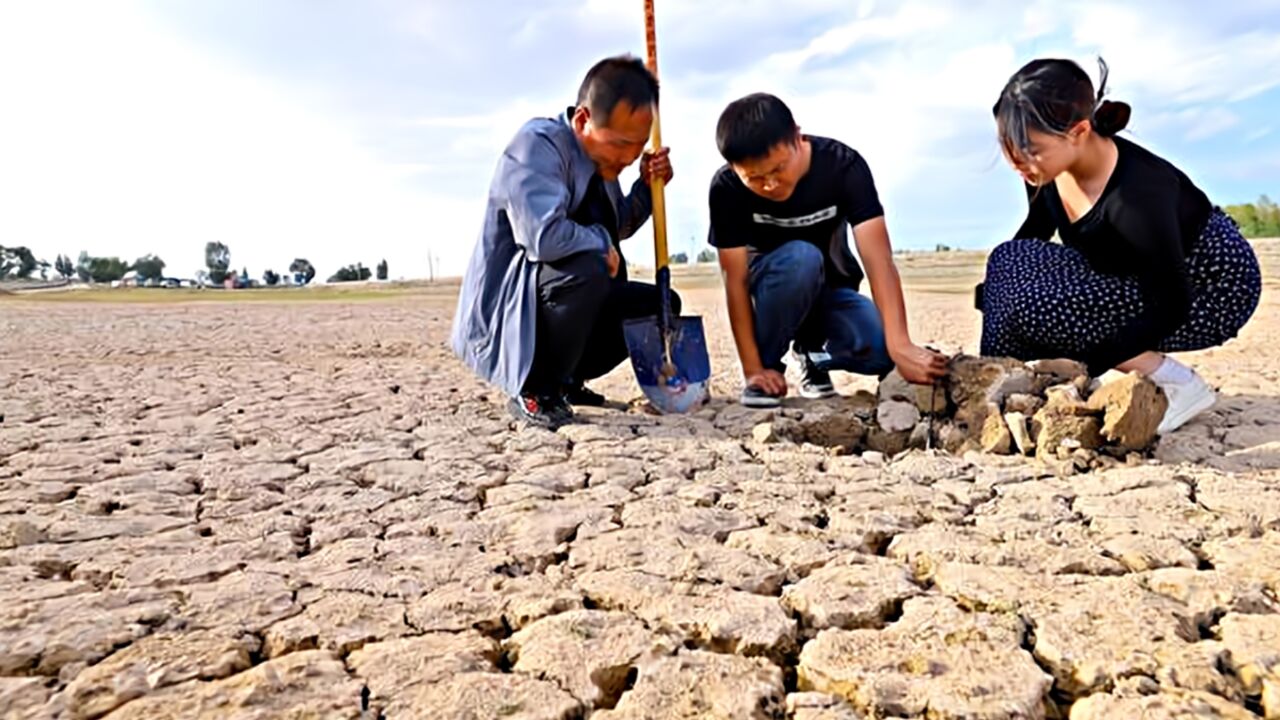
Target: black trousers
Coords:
[(580, 315)]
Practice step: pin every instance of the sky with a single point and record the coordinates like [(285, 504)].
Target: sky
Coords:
[(355, 131)]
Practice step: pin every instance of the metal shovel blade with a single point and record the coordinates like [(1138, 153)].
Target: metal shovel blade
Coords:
[(686, 388)]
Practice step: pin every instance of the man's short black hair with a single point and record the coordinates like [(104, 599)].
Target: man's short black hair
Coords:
[(751, 126), (613, 80)]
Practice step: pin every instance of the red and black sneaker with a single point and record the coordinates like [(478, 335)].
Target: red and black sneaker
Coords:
[(543, 412)]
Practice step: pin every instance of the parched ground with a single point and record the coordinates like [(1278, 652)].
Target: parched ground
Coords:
[(310, 510)]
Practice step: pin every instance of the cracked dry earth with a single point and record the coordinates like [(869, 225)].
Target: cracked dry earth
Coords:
[(309, 510)]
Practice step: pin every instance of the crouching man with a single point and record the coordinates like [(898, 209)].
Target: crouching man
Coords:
[(546, 291)]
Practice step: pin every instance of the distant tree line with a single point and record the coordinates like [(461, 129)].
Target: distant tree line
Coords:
[(217, 259), (1257, 220), (20, 263), (707, 255)]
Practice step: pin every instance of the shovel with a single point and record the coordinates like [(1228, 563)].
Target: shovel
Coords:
[(669, 354)]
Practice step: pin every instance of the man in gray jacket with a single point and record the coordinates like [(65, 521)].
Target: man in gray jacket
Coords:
[(546, 291)]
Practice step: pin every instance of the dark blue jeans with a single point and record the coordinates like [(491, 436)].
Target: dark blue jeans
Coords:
[(793, 302)]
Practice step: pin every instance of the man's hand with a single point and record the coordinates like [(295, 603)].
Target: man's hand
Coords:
[(919, 365), (612, 260), (656, 164), (770, 381)]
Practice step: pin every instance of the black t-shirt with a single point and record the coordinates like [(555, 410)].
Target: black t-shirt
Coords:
[(836, 190), (1144, 225)]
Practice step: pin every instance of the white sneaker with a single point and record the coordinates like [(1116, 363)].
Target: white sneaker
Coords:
[(1186, 400)]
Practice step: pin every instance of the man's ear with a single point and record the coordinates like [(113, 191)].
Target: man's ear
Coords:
[(581, 116)]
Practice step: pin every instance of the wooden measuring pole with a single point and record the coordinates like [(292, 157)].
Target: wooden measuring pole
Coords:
[(656, 185)]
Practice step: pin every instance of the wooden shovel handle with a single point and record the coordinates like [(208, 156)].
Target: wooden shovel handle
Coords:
[(656, 185)]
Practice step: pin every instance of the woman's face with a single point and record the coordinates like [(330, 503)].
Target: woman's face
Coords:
[(1048, 155)]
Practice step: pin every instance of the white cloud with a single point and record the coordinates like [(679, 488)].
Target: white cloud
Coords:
[(911, 19), (123, 135), (907, 95), (1179, 57), (1259, 170), (1258, 134), (1193, 124), (118, 139), (1211, 121)]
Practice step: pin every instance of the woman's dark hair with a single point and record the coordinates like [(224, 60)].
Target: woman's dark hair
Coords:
[(749, 127), (1051, 96)]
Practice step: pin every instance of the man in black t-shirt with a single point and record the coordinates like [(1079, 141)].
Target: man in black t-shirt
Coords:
[(779, 213)]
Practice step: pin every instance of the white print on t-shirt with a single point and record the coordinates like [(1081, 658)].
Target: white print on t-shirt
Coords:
[(802, 221)]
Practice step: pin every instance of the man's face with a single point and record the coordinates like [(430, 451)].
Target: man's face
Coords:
[(773, 176), (616, 142)]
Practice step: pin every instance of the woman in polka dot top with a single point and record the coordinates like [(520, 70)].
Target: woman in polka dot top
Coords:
[(1147, 265)]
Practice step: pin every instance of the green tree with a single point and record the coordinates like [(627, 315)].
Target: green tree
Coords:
[(83, 270), (149, 267), (351, 273), (1257, 220), (107, 269), (270, 278), (1246, 216), (17, 262), (217, 257), (64, 266), (382, 270), (1268, 218), (707, 255), (303, 267), (678, 259), (27, 262)]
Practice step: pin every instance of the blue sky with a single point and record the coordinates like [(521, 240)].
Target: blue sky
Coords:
[(355, 131)]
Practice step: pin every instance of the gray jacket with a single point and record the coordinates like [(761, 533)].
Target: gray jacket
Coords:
[(540, 180)]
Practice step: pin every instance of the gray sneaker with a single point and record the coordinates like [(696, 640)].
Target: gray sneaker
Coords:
[(816, 383), (540, 411)]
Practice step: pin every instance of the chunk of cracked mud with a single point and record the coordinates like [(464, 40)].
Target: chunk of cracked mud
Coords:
[(697, 685), (850, 596), (1165, 705), (391, 667), (487, 695), (339, 622), (1252, 645), (677, 556), (819, 706), (710, 616), (1133, 407), (587, 652), (312, 683), (938, 657)]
